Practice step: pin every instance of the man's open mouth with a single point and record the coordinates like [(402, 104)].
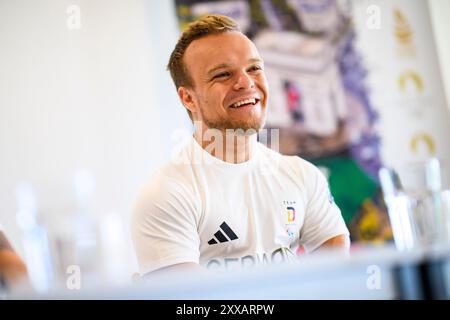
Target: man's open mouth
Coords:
[(244, 103)]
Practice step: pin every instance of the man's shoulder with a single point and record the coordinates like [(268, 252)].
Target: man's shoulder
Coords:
[(170, 181), (178, 166), (293, 163), (170, 174)]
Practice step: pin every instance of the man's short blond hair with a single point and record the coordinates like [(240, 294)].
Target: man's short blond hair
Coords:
[(204, 26)]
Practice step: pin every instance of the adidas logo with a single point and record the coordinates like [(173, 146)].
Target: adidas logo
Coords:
[(219, 236)]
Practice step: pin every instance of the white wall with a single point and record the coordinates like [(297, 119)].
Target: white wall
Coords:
[(96, 98), (440, 13)]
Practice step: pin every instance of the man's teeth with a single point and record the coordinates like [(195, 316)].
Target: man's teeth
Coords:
[(240, 103)]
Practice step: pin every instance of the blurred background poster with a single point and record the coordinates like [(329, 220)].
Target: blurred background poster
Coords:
[(344, 76)]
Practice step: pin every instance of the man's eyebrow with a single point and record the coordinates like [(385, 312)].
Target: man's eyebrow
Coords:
[(253, 60), (225, 65)]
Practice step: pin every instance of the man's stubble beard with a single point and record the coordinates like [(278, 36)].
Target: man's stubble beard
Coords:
[(224, 124)]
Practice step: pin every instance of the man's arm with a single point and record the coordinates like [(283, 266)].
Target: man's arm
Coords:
[(340, 242), (180, 268), (12, 268), (4, 243), (324, 227), (164, 224)]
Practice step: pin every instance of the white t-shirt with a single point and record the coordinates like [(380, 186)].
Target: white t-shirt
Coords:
[(201, 209)]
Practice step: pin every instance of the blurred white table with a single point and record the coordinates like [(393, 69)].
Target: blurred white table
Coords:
[(376, 273)]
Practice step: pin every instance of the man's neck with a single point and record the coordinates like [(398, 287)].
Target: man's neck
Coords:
[(226, 145)]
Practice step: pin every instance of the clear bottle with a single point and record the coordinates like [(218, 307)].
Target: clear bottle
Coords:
[(35, 239)]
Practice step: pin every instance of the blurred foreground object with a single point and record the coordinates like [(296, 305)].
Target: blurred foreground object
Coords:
[(35, 241), (418, 204), (370, 273), (67, 243)]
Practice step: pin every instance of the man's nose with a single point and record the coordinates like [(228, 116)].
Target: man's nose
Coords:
[(244, 81)]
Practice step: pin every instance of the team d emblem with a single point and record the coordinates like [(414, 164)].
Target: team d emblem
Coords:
[(290, 214)]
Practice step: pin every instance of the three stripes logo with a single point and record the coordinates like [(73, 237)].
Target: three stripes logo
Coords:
[(219, 236)]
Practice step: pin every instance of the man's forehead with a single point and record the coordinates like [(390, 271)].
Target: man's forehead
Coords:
[(221, 49), (227, 36)]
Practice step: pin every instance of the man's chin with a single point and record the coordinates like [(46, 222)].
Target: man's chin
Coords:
[(240, 127), (244, 128)]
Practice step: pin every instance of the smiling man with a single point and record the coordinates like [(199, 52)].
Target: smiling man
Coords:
[(242, 203)]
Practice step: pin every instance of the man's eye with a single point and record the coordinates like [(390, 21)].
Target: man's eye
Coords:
[(221, 75), (255, 68)]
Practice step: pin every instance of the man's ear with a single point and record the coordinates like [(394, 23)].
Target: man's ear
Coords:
[(187, 99)]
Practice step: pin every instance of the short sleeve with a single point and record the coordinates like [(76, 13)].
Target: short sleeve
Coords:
[(323, 219), (164, 225)]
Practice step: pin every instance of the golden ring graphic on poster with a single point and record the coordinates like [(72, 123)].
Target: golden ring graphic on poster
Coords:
[(425, 139), (411, 77)]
